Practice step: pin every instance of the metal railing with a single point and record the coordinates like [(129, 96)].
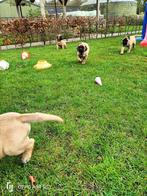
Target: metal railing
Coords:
[(32, 30)]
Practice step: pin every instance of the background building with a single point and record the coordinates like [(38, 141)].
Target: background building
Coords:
[(116, 7), (8, 9)]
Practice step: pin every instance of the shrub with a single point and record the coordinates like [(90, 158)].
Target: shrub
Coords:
[(20, 31)]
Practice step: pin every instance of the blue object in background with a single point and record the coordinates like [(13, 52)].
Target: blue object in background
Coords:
[(138, 38), (144, 22)]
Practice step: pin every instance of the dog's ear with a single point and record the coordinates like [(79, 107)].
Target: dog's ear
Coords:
[(85, 48), (125, 41), (126, 37), (61, 37)]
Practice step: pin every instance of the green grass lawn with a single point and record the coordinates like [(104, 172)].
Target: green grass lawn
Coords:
[(100, 149)]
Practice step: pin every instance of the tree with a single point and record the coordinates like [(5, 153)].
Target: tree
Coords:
[(107, 10), (18, 4), (55, 4), (97, 9), (64, 3), (140, 6), (42, 8), (107, 16), (19, 11)]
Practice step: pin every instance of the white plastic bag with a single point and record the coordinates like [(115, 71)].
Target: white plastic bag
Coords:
[(4, 65)]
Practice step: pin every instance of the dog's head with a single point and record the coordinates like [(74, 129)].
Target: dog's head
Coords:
[(81, 49), (125, 41), (59, 38)]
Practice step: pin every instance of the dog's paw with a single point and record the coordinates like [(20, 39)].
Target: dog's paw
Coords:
[(26, 157), (24, 161)]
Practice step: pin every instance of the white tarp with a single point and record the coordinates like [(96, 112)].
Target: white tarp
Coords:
[(89, 2), (82, 13)]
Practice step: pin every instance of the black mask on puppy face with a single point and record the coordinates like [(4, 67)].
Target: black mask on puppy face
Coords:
[(59, 38), (125, 41), (81, 49)]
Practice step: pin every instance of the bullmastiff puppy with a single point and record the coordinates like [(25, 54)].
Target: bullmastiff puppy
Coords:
[(128, 42), (60, 43), (82, 52), (14, 133)]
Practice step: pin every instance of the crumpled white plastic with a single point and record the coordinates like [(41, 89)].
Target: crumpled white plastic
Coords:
[(98, 81), (4, 65)]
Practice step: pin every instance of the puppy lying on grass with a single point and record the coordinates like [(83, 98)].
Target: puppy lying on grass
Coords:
[(128, 43), (82, 52), (60, 43), (14, 133)]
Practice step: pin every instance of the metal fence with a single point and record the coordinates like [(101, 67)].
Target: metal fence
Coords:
[(28, 31)]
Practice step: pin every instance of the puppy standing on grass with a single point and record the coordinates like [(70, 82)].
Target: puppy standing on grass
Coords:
[(82, 52), (14, 133), (129, 43), (60, 43)]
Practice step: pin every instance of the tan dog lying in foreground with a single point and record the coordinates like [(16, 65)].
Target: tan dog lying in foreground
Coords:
[(128, 43), (14, 133)]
